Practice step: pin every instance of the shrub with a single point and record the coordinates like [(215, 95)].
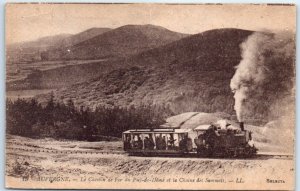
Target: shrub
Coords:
[(60, 120)]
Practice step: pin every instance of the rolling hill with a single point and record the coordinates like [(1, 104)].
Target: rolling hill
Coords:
[(120, 42), (35, 50), (83, 36), (196, 69), (114, 44), (57, 52)]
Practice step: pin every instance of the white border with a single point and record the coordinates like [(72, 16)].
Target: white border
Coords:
[(2, 61)]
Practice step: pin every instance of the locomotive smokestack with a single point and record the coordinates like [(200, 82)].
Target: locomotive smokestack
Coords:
[(242, 126)]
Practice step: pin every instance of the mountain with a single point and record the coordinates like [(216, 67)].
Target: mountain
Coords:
[(114, 44), (57, 52), (38, 49), (191, 74), (83, 36), (121, 42)]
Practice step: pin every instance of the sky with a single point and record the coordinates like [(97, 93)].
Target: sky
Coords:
[(26, 22)]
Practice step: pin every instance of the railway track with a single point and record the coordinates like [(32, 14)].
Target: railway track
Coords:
[(276, 155), (54, 151), (260, 155)]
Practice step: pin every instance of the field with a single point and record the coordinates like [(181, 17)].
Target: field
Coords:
[(89, 164)]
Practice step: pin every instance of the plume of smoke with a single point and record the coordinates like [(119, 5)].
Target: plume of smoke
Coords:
[(222, 123), (266, 74)]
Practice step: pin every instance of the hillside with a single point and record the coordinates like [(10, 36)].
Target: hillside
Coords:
[(196, 69), (38, 49), (83, 36), (121, 42), (62, 76), (57, 52), (113, 44), (94, 44)]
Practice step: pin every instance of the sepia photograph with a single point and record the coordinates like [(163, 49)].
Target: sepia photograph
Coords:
[(150, 96)]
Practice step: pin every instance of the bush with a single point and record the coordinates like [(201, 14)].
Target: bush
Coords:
[(59, 120)]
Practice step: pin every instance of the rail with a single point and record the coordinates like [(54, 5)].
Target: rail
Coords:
[(65, 151), (95, 152)]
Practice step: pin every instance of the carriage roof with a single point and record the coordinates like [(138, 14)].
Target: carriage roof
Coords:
[(202, 127), (146, 131)]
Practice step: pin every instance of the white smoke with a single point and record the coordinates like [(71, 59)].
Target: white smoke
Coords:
[(222, 123), (265, 75)]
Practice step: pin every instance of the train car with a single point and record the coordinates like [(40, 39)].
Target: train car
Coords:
[(154, 142), (202, 141)]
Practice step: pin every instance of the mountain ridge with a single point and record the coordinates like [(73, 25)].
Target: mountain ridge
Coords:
[(122, 42)]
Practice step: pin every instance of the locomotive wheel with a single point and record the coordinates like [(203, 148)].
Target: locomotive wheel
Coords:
[(228, 153), (202, 152), (232, 153), (220, 152)]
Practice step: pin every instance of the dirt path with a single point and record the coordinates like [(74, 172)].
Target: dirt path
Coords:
[(98, 168)]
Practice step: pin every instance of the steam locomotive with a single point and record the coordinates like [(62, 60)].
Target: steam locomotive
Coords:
[(203, 141)]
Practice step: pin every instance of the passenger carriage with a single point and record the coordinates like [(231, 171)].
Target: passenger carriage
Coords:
[(152, 142)]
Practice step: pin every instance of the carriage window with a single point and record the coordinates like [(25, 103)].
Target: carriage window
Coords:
[(160, 141), (180, 137), (127, 141), (137, 141), (172, 141), (148, 142), (128, 137)]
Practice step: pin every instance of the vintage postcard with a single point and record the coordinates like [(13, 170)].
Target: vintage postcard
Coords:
[(150, 96)]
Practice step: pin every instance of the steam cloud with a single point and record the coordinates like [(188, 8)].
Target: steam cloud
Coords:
[(263, 83)]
